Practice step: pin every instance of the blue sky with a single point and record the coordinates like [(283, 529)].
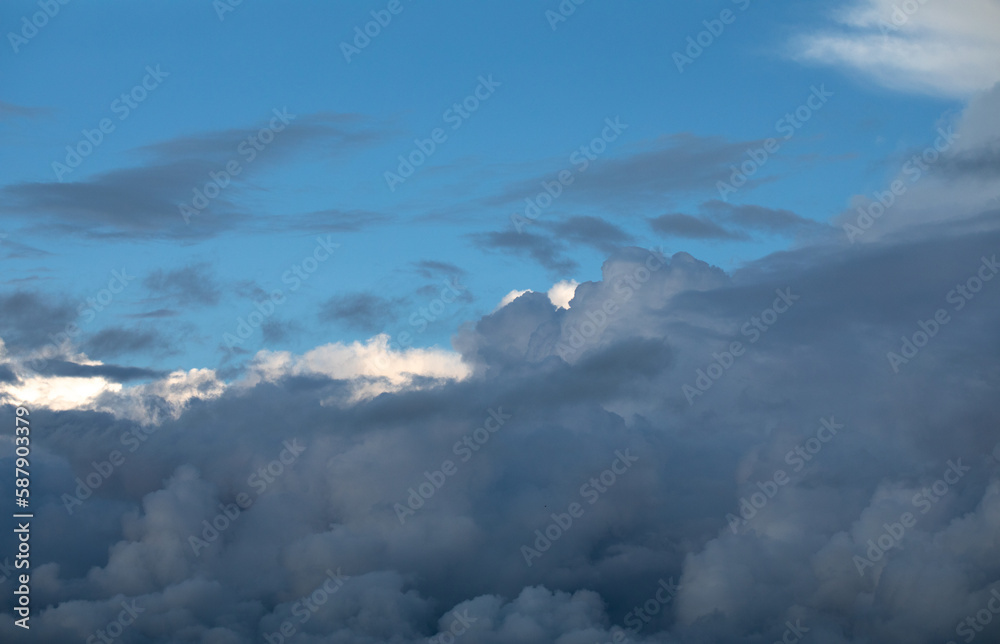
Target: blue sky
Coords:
[(222, 77)]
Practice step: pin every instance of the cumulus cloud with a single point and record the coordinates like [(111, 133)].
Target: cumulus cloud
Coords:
[(552, 476)]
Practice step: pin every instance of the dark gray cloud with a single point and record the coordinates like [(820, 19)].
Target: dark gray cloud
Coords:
[(194, 284), (275, 331), (577, 390), (540, 248), (689, 227), (117, 341), (434, 269), (143, 201), (592, 231), (759, 218), (7, 374), (362, 311), (117, 373), (673, 165), (31, 319)]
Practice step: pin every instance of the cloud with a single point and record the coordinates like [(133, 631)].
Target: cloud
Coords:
[(664, 168), (434, 269), (114, 373), (592, 231), (542, 249), (562, 293), (11, 110), (760, 218), (193, 284), (364, 311), (142, 201), (927, 47), (31, 320), (689, 227), (116, 341), (499, 445)]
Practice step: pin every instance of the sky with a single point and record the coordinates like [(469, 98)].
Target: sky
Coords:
[(379, 228)]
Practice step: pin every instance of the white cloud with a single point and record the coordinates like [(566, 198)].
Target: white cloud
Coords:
[(560, 295), (374, 367), (562, 292), (926, 46)]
